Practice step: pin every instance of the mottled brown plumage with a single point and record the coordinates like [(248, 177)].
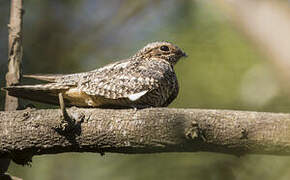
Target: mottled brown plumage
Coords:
[(147, 79)]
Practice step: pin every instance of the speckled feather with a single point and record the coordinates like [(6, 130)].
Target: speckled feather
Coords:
[(146, 79)]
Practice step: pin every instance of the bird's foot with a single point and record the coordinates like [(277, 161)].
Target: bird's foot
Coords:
[(67, 123)]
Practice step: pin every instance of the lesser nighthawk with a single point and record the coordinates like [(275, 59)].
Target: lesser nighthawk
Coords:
[(147, 79)]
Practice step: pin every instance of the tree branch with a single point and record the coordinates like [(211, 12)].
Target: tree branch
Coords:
[(31, 132), (14, 51), (14, 64)]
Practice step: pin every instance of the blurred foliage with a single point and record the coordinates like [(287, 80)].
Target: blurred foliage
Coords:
[(223, 71)]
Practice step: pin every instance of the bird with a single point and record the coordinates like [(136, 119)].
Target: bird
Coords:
[(146, 79)]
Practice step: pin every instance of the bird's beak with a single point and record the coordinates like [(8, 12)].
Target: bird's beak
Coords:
[(181, 53), (184, 54)]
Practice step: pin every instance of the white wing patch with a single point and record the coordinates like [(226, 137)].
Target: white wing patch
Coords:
[(136, 96)]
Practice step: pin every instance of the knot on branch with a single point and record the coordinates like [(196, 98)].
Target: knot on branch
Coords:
[(193, 132)]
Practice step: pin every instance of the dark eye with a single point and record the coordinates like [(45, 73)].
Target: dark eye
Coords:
[(164, 48)]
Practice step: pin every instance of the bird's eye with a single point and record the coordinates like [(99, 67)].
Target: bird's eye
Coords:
[(164, 48)]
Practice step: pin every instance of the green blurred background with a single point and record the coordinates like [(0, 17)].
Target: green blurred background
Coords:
[(224, 70)]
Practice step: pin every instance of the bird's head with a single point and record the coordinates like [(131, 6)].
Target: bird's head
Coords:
[(161, 50)]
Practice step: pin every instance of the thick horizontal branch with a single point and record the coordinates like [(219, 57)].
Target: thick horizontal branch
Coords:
[(153, 130)]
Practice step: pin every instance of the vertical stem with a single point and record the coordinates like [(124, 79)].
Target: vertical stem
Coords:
[(14, 51), (14, 61)]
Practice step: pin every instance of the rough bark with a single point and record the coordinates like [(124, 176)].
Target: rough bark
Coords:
[(14, 62), (32, 132)]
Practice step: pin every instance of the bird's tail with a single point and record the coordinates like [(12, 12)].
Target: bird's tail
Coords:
[(46, 93), (44, 77)]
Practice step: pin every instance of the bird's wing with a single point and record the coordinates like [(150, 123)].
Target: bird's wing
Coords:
[(119, 86), (123, 79)]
